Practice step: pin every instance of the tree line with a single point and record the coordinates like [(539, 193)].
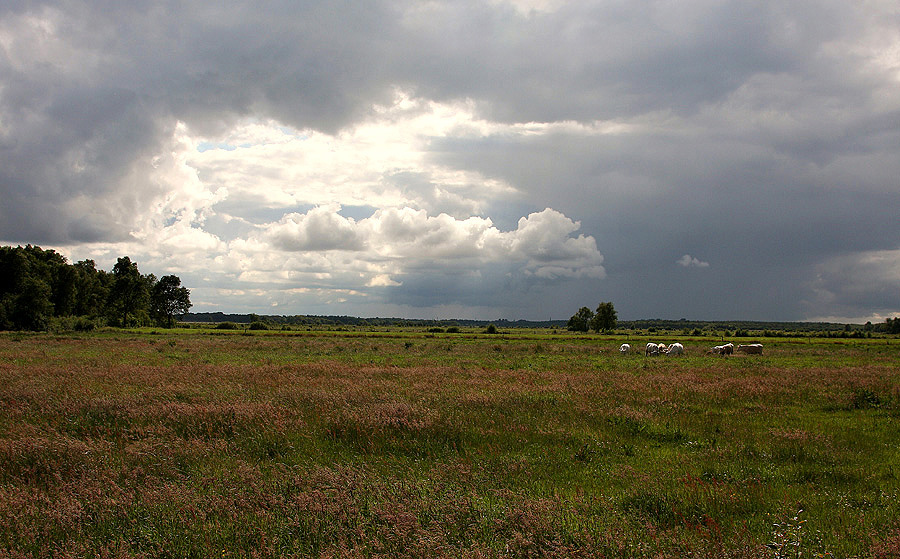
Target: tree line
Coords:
[(344, 320), (39, 288), (604, 318), (890, 326)]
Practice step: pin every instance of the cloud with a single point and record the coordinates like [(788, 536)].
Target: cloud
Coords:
[(544, 240), (689, 261), (319, 229), (393, 242), (402, 154)]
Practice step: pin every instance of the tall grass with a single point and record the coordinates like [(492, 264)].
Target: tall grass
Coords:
[(187, 445)]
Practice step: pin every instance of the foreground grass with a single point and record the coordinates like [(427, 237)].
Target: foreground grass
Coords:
[(405, 445)]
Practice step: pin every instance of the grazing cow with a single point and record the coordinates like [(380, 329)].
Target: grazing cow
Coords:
[(750, 349), (726, 349), (624, 348), (675, 349), (652, 349)]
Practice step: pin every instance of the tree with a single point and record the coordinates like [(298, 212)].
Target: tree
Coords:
[(168, 300), (129, 293), (26, 279), (91, 289), (605, 319), (892, 325), (32, 308), (63, 289), (581, 320)]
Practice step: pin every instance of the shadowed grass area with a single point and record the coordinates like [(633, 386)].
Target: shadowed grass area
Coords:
[(405, 445)]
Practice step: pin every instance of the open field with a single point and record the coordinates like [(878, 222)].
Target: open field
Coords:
[(198, 443)]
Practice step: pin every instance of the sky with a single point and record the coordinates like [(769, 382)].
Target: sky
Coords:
[(700, 159)]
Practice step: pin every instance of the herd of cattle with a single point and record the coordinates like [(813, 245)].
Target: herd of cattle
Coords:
[(678, 349)]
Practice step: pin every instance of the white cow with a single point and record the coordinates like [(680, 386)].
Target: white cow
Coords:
[(726, 349), (675, 349), (652, 348), (750, 349), (624, 348)]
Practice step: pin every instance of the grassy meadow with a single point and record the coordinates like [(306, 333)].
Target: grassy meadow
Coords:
[(403, 443)]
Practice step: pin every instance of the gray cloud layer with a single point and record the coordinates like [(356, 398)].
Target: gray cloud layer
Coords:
[(759, 140)]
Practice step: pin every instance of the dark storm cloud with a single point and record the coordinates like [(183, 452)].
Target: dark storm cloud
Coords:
[(92, 92), (762, 218), (605, 60), (770, 148), (758, 137)]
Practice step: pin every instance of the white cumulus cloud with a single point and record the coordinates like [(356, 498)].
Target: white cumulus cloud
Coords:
[(393, 242), (689, 261), (322, 228)]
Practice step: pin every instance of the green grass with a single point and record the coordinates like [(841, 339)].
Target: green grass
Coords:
[(403, 443)]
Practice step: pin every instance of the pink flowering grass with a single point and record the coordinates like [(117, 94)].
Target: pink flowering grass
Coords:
[(403, 445)]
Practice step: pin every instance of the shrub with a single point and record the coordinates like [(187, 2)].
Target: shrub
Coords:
[(73, 324), (85, 324), (226, 326), (257, 325), (453, 330), (491, 329), (863, 398)]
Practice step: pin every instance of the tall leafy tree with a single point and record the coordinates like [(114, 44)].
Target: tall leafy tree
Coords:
[(169, 299), (892, 325), (129, 293), (91, 289), (64, 291), (581, 320), (32, 308), (605, 318), (26, 279)]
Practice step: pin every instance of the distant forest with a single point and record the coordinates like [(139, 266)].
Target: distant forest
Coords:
[(315, 320), (40, 290), (696, 327)]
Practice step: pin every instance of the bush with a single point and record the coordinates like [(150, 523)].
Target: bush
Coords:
[(491, 329), (74, 324), (226, 326), (863, 398), (257, 325), (86, 324), (453, 330)]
